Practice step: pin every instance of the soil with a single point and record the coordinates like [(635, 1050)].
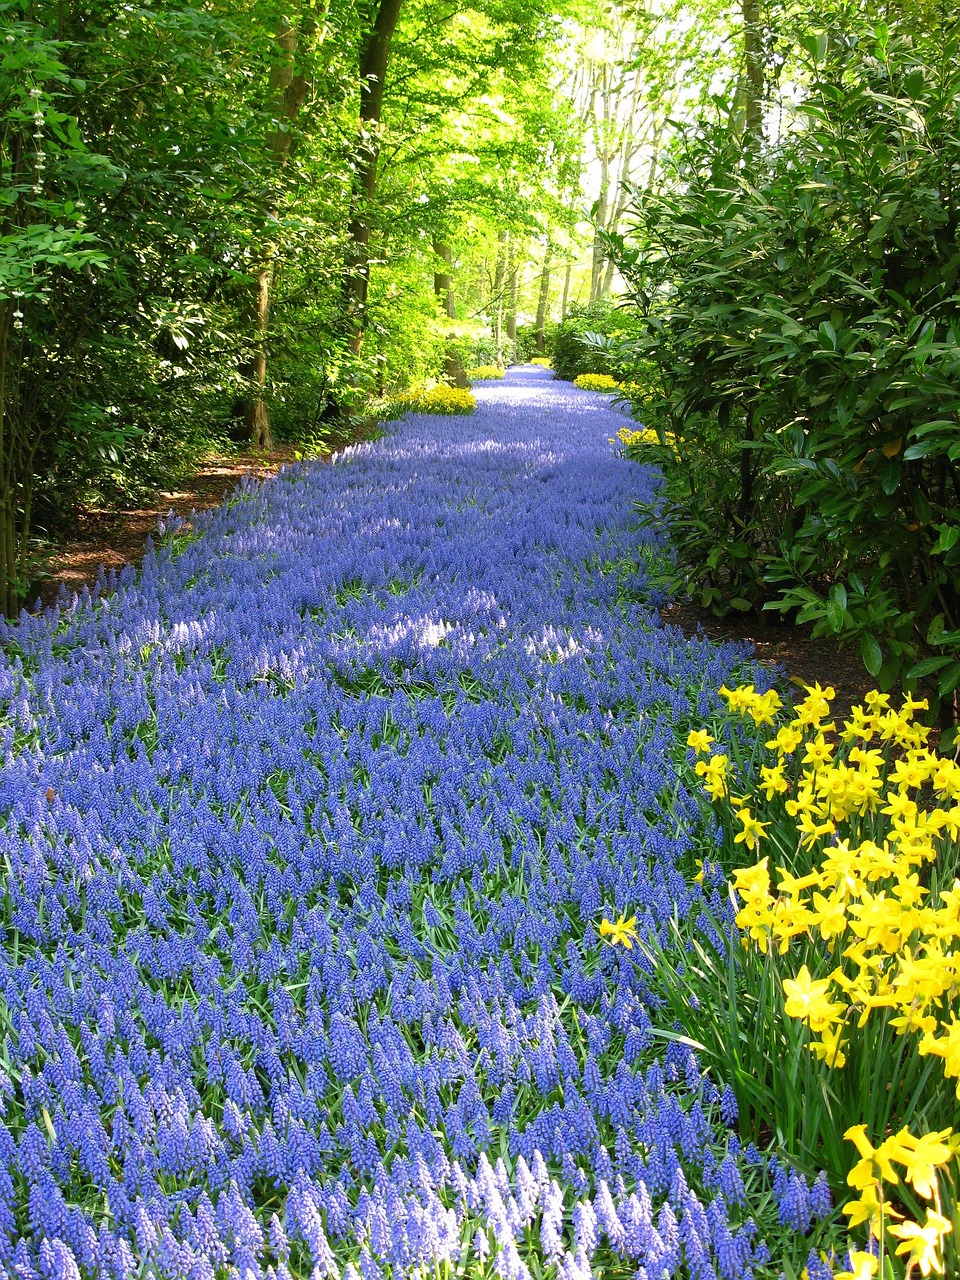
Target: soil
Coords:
[(785, 647), (118, 537)]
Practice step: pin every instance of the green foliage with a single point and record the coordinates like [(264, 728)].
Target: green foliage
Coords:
[(178, 205), (573, 354), (799, 309)]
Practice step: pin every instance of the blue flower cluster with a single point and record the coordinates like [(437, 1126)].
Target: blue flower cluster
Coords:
[(307, 828)]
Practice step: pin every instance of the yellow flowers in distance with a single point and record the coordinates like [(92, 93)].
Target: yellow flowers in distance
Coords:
[(859, 813), (634, 441), (439, 398), (596, 382), (622, 931)]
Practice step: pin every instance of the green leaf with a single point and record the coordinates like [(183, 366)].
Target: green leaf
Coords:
[(927, 667), (890, 476), (835, 615), (949, 536), (838, 592), (828, 335), (871, 653)]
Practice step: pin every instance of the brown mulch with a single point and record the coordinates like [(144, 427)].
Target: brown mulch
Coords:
[(785, 646), (118, 537)]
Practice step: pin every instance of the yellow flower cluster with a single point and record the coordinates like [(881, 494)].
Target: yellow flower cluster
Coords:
[(920, 1158), (878, 805), (543, 361), (437, 399), (485, 373), (869, 807), (635, 439), (596, 382)]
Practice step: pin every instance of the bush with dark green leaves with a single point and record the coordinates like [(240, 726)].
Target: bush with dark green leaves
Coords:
[(801, 322), (570, 346)]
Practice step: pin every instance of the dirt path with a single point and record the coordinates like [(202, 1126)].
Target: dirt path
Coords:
[(119, 537)]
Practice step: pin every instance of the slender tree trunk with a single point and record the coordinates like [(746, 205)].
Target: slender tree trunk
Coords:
[(443, 280), (543, 301), (256, 406), (751, 83), (373, 70), (513, 292), (499, 281), (600, 221), (443, 288), (565, 301), (287, 92)]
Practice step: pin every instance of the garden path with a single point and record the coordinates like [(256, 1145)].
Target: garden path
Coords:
[(309, 828)]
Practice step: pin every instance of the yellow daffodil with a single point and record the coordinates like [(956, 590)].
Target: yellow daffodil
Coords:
[(752, 831), (945, 1046), (763, 707), (772, 781), (876, 701), (874, 1163), (829, 1048), (622, 931), (818, 751), (922, 1244), (922, 1157), (786, 741), (868, 1208), (863, 1266), (808, 999), (714, 773), (700, 740)]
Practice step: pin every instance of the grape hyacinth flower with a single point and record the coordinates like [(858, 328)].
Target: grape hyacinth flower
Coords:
[(310, 824)]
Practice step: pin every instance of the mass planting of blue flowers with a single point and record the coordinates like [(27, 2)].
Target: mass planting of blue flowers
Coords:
[(308, 829)]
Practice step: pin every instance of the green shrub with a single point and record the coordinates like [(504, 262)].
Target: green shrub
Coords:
[(572, 354), (798, 309)]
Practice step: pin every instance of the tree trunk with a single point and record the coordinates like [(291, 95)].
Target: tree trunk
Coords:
[(499, 281), (751, 83), (373, 70), (513, 291), (543, 301), (443, 280), (443, 288), (287, 91), (565, 301), (600, 222), (256, 406)]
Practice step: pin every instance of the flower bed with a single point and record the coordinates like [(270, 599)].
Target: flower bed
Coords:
[(310, 829)]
